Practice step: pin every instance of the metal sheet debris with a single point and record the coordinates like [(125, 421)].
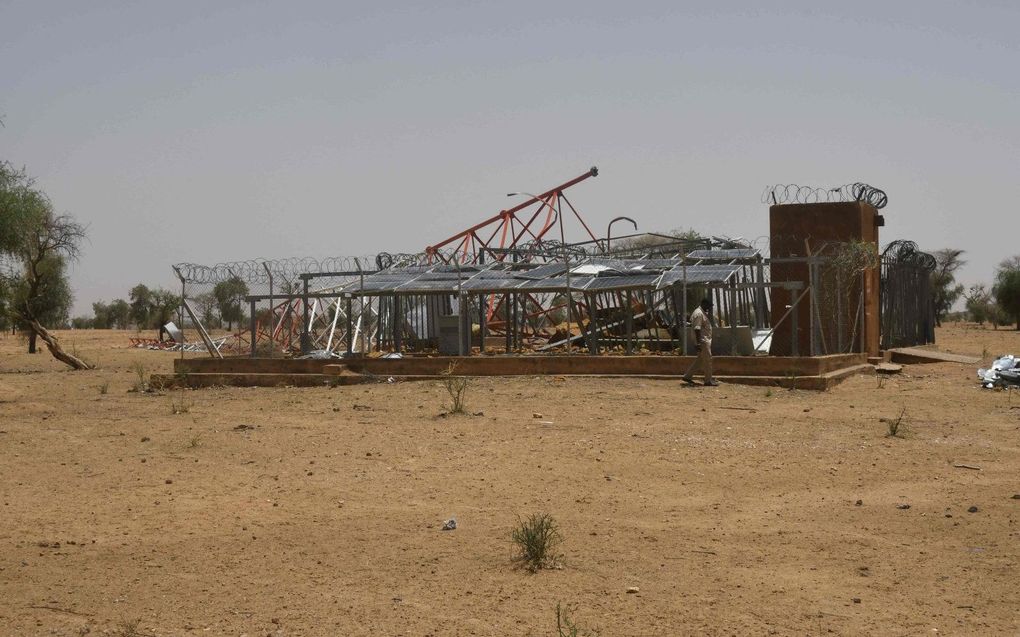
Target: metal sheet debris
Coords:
[(1005, 371)]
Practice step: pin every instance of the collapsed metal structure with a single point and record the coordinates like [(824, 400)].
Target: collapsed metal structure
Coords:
[(510, 284)]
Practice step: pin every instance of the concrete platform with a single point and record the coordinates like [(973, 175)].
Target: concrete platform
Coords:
[(917, 355), (196, 380), (818, 372)]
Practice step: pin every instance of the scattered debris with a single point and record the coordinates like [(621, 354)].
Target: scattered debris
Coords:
[(967, 466), (972, 509), (903, 506), (631, 590), (450, 524), (319, 354), (1004, 372)]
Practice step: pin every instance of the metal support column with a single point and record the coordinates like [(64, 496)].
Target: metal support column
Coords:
[(398, 324), (794, 328), (350, 325), (628, 321), (731, 313), (272, 311), (508, 304), (306, 338), (482, 325), (463, 313), (252, 326)]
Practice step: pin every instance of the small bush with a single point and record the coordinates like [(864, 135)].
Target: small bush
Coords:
[(567, 628), (456, 387), (141, 377), (104, 388), (129, 628), (536, 540), (195, 442), (893, 424), (182, 406)]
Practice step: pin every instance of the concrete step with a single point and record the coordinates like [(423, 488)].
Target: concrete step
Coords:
[(915, 355), (527, 365), (816, 382), (195, 380), (339, 375)]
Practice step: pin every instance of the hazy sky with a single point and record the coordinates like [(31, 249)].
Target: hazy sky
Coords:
[(210, 132)]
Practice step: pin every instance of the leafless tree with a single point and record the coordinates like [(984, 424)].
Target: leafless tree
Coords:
[(945, 289)]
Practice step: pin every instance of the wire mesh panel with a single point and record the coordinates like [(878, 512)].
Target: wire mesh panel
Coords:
[(907, 306)]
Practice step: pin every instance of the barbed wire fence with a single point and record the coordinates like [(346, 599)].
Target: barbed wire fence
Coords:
[(270, 307), (257, 305)]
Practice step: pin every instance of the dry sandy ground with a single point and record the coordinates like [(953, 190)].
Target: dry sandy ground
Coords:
[(735, 511)]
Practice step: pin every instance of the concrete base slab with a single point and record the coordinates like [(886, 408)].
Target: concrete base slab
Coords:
[(916, 355), (196, 380), (789, 373)]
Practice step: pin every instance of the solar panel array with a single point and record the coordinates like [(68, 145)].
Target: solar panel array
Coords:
[(594, 275)]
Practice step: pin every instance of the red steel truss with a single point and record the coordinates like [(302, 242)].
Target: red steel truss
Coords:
[(506, 229)]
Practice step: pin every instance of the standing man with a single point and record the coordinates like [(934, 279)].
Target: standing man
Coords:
[(701, 322)]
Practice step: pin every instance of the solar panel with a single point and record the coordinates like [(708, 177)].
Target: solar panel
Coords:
[(623, 282), (542, 271), (444, 276), (699, 274), (492, 284), (419, 285), (723, 255), (650, 264), (372, 286), (391, 276), (557, 283), (406, 270), (626, 265), (467, 270), (500, 273)]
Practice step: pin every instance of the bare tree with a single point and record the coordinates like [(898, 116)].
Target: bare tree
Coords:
[(945, 290)]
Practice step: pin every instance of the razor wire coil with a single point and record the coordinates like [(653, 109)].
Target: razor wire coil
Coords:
[(907, 253), (780, 194), (255, 270)]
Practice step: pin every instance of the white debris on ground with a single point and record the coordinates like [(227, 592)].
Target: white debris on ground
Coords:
[(319, 354), (1005, 371)]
